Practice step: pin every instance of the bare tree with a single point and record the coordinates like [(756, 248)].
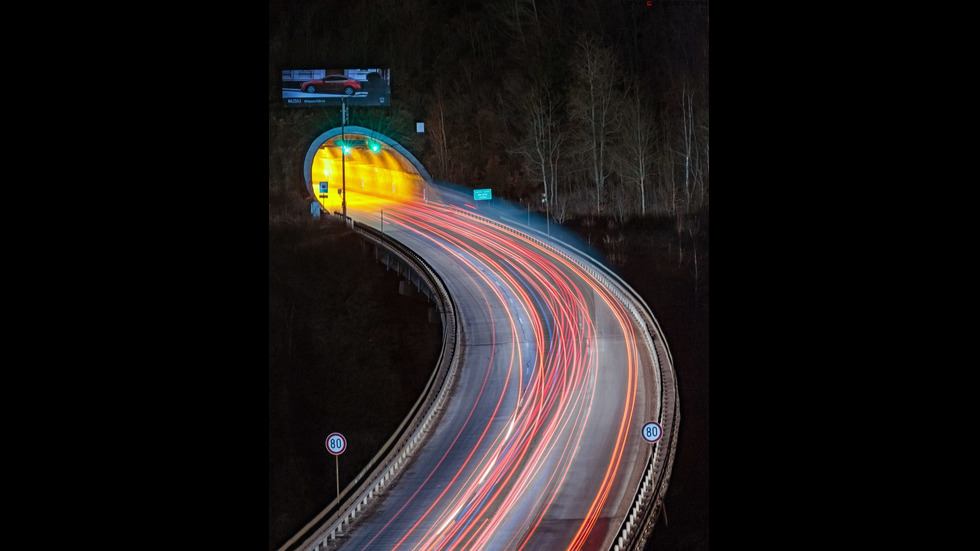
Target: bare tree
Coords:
[(591, 105), (543, 138), (687, 109), (700, 129), (437, 132), (634, 151), (513, 17), (694, 147), (703, 172), (622, 200), (667, 157)]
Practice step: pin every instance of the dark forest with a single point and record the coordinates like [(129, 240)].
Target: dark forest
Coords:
[(578, 109)]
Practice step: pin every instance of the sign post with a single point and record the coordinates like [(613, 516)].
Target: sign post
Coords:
[(336, 444), (324, 194), (343, 155)]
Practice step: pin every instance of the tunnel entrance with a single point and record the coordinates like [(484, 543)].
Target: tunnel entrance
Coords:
[(374, 166)]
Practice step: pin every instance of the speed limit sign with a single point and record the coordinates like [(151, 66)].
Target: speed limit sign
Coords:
[(336, 443), (652, 432)]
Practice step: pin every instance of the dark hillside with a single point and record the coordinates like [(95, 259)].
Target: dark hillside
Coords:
[(347, 353)]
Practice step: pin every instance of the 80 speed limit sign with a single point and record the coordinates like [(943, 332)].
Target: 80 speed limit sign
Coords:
[(336, 443), (652, 432)]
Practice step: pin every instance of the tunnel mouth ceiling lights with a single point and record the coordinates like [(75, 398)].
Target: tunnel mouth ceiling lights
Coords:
[(365, 148)]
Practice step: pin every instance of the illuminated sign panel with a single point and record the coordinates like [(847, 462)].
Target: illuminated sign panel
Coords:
[(323, 87)]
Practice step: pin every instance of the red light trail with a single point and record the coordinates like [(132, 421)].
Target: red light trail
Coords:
[(543, 441)]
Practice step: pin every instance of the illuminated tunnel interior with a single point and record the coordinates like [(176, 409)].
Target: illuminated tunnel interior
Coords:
[(376, 170)]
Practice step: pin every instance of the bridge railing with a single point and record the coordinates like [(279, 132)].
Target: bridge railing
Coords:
[(641, 516), (330, 524)]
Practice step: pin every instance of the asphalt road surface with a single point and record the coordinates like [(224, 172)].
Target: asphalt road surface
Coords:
[(540, 445)]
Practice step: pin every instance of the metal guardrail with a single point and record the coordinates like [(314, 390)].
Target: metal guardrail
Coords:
[(323, 531)]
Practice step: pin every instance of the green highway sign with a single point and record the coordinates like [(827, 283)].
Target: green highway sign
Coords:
[(481, 194)]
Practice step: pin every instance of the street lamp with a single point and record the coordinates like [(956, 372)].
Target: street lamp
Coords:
[(343, 154)]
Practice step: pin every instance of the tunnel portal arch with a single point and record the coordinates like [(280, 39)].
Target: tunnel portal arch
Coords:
[(394, 151)]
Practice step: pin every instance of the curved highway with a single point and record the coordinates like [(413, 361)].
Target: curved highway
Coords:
[(539, 446)]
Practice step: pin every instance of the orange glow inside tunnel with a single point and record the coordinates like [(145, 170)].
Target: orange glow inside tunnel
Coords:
[(373, 178)]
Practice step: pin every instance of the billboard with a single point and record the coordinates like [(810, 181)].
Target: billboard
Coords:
[(323, 87)]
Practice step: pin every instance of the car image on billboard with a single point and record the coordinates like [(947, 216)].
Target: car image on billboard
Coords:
[(332, 84), (320, 87)]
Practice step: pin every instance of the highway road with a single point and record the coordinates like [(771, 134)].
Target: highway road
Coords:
[(539, 447)]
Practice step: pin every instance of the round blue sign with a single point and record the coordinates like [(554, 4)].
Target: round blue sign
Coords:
[(652, 432), (336, 443)]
